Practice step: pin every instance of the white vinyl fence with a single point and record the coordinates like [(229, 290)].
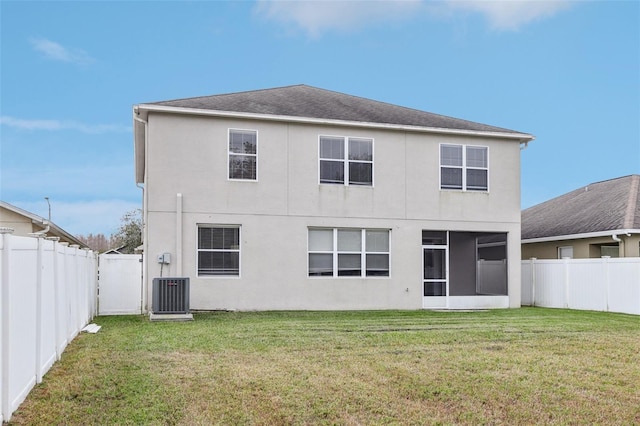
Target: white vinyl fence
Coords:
[(47, 295), (120, 284), (605, 284)]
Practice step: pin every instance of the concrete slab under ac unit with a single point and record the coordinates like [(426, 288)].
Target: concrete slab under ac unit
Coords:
[(170, 317)]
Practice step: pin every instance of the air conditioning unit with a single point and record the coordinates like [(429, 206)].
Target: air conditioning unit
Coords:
[(170, 296)]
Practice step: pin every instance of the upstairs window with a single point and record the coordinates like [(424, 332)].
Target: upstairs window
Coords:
[(243, 154), (346, 161), (464, 167)]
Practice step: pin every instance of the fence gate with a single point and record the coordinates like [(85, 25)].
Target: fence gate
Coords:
[(119, 284)]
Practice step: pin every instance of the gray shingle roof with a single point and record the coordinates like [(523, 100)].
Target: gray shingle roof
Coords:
[(312, 102), (602, 206)]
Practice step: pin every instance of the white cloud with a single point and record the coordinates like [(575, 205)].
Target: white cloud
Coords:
[(82, 217), (510, 14), (318, 16), (51, 125), (57, 52)]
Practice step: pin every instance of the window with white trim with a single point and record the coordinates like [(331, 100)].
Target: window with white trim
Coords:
[(346, 160), (243, 154), (337, 252), (464, 167), (565, 252), (218, 251)]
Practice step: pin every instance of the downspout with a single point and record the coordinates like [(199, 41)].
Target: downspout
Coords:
[(145, 202), (42, 233), (179, 235), (620, 242)]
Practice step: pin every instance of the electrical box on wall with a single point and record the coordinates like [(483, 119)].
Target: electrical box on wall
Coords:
[(164, 258)]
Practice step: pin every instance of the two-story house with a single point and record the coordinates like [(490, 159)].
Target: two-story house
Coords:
[(303, 198)]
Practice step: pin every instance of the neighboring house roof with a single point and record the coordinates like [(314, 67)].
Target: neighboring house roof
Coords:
[(41, 223), (599, 208), (302, 103)]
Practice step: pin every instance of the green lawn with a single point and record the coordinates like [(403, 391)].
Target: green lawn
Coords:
[(518, 366)]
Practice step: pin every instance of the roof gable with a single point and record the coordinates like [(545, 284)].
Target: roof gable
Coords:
[(312, 102), (602, 206)]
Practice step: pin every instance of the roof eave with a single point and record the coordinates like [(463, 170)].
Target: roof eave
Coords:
[(143, 110), (616, 232)]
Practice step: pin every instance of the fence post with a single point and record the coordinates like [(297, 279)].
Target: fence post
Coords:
[(607, 281), (533, 280), (565, 262), (39, 265), (5, 398), (56, 299)]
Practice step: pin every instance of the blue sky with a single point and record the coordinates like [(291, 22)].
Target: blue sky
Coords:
[(566, 72)]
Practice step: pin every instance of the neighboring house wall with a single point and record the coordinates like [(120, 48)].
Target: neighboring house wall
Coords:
[(21, 225), (188, 155), (24, 223), (584, 248)]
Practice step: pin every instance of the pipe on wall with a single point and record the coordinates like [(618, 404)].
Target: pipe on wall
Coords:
[(179, 235)]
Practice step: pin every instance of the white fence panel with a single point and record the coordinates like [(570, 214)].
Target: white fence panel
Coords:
[(589, 284), (47, 295), (552, 273), (120, 284), (624, 285), (21, 317), (46, 309), (586, 285)]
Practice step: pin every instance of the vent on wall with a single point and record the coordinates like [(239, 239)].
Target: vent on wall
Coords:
[(170, 296)]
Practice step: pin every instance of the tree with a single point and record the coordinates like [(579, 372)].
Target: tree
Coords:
[(96, 242), (129, 235)]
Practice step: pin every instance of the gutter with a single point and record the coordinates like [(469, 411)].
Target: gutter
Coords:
[(612, 233), (144, 109)]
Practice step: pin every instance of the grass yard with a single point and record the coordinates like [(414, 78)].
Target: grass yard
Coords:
[(518, 366)]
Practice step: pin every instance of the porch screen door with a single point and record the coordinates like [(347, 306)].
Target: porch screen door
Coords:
[(434, 265)]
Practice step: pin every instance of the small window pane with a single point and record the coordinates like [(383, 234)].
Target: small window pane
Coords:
[(332, 148), (360, 173), (349, 265), (476, 156), (377, 265), (476, 180), (360, 149), (218, 263), (320, 264), (451, 155), (242, 142), (451, 178), (435, 288), (231, 238), (434, 264), (320, 239), (349, 240), (434, 238), (377, 241), (218, 238), (331, 172), (242, 167)]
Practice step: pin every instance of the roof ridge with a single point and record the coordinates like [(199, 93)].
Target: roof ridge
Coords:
[(629, 215), (227, 94)]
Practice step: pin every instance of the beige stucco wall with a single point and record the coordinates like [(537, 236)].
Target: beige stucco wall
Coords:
[(21, 225), (188, 155), (582, 248)]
